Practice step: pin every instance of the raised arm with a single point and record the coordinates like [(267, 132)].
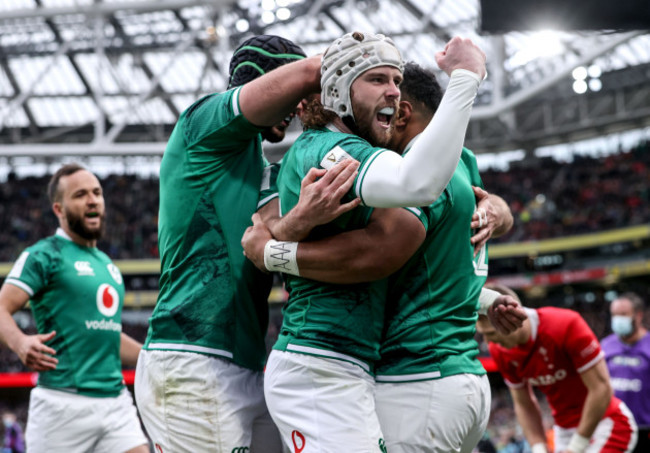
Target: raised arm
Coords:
[(268, 99), (419, 177), (31, 349)]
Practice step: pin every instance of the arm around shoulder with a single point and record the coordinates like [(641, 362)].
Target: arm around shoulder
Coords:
[(266, 100), (374, 252)]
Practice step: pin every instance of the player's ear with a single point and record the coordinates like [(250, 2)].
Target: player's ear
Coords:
[(57, 208), (404, 113)]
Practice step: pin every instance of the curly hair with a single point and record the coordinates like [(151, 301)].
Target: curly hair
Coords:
[(314, 115)]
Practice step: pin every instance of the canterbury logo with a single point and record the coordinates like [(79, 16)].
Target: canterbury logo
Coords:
[(382, 445), (83, 268), (280, 252), (240, 450), (298, 441)]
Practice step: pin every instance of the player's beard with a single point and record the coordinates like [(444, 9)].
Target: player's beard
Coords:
[(76, 224), (362, 126)]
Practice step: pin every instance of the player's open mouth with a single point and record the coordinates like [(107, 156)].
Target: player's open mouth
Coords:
[(385, 116), (92, 214)]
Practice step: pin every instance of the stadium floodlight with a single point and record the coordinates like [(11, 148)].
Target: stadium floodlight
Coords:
[(283, 13), (242, 25), (579, 73), (595, 84), (594, 71), (580, 86), (268, 17)]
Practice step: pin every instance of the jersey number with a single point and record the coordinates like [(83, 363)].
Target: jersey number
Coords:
[(481, 262)]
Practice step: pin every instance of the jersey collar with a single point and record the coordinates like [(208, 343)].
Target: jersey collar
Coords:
[(63, 234), (410, 144), (533, 317)]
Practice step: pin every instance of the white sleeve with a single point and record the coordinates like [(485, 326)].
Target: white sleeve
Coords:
[(419, 177)]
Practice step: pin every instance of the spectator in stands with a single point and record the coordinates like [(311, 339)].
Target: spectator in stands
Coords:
[(76, 295), (557, 352), (13, 439), (627, 352)]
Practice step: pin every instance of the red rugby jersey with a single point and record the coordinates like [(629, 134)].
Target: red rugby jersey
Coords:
[(561, 347)]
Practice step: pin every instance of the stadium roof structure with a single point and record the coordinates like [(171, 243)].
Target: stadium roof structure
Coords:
[(110, 77)]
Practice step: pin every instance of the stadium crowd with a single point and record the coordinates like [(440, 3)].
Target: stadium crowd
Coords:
[(552, 199), (131, 206), (548, 199)]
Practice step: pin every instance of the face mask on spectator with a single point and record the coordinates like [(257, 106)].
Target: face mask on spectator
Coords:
[(622, 325)]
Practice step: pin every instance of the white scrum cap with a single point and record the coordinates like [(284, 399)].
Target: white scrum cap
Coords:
[(346, 59)]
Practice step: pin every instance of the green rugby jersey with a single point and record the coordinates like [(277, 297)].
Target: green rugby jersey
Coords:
[(212, 299), (432, 304), (78, 292), (337, 321)]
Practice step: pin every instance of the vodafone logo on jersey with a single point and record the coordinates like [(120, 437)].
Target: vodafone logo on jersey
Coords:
[(548, 379), (108, 300)]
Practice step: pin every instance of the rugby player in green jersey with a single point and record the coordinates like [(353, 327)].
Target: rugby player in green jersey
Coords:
[(199, 380), (367, 254), (432, 394), (331, 333), (76, 295)]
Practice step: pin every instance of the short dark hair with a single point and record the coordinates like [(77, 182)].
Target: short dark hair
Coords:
[(637, 303), (259, 55), (53, 186), (420, 86)]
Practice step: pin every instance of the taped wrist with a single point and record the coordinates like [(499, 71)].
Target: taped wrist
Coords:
[(486, 299), (281, 256), (578, 443)]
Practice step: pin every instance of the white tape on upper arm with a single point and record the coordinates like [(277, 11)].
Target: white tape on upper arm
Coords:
[(333, 157)]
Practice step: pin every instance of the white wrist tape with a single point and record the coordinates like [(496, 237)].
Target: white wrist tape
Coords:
[(281, 256), (538, 448), (486, 299), (578, 443)]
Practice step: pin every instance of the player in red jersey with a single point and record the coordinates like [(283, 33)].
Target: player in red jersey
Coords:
[(556, 351)]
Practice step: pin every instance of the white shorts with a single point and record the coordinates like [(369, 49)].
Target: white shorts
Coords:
[(196, 403), (69, 423), (439, 415), (322, 405), (615, 433)]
